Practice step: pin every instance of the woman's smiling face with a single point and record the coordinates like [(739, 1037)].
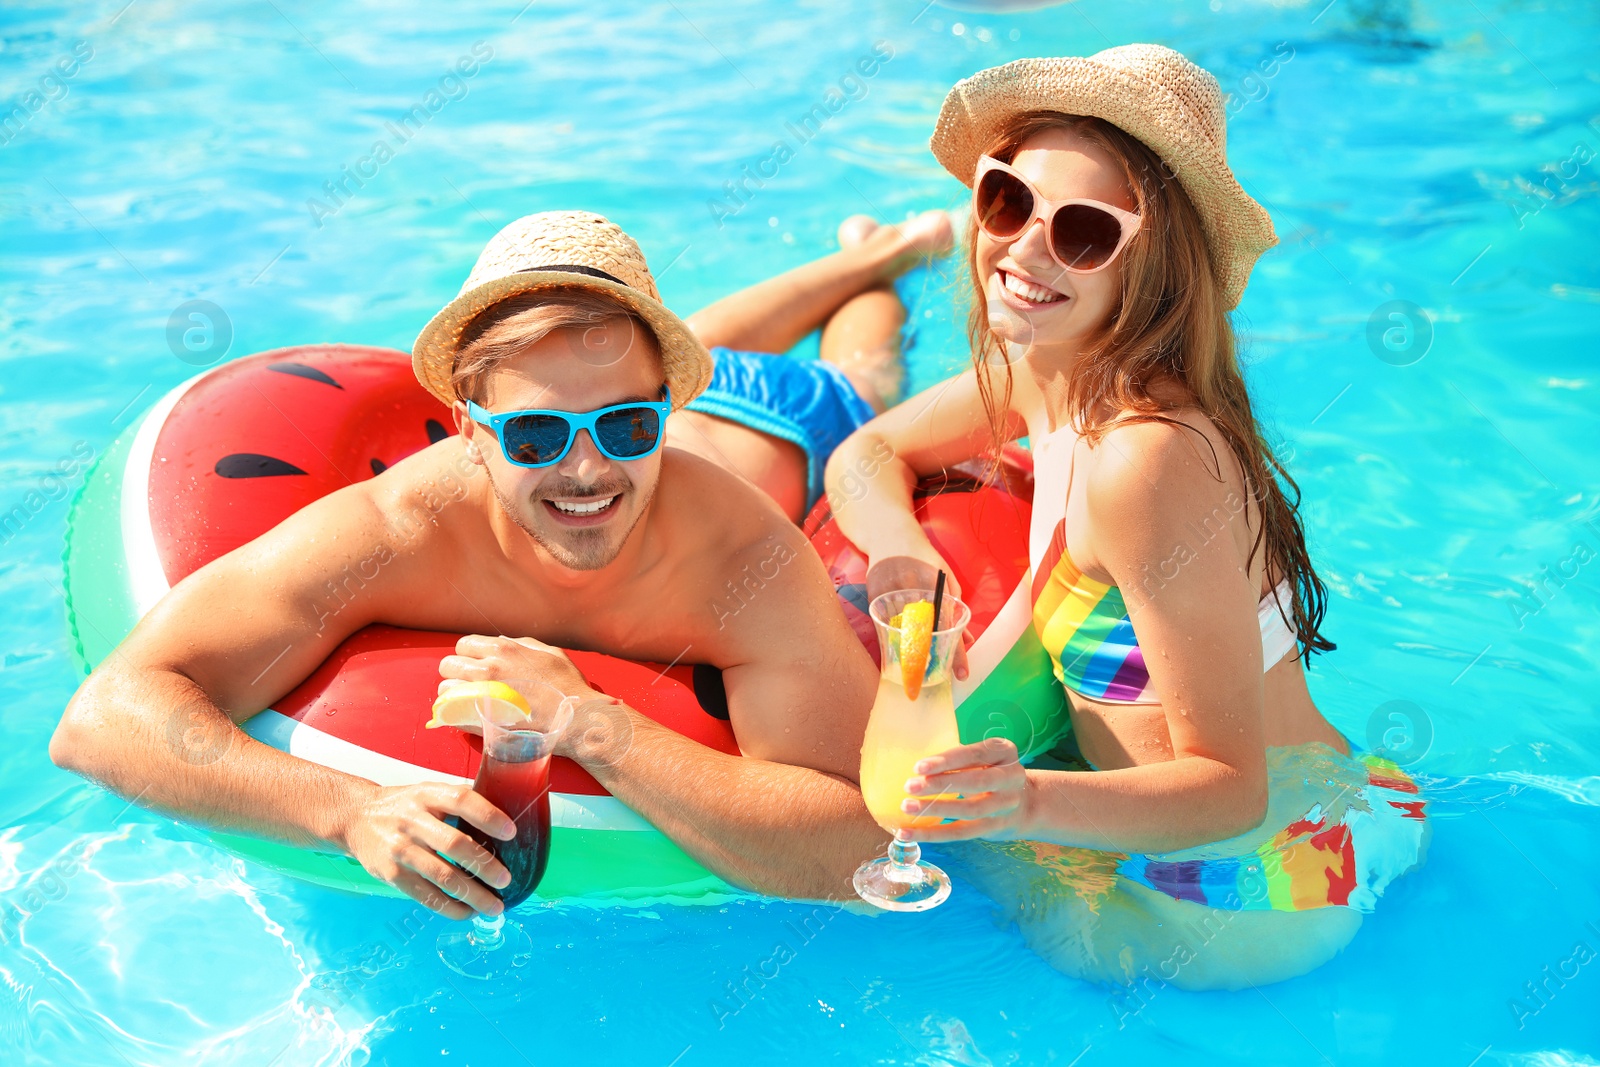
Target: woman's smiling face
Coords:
[(1032, 301)]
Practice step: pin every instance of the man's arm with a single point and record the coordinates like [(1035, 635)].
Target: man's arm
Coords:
[(156, 722), (774, 827), (785, 818)]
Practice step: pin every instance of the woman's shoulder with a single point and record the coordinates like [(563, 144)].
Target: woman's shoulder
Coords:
[(1149, 484), (1159, 463)]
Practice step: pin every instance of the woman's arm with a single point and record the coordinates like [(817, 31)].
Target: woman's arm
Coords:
[(1155, 509), (1159, 807), (871, 475)]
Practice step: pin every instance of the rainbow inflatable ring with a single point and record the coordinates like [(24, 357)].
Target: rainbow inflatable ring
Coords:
[(229, 454)]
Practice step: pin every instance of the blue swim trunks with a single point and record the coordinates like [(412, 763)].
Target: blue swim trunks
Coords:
[(806, 401)]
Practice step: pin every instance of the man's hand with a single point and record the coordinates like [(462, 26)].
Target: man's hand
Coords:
[(498, 659), (400, 837), (601, 730)]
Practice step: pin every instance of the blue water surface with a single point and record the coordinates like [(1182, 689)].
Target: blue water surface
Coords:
[(1421, 345)]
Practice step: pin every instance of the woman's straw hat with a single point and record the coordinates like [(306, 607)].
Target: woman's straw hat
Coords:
[(566, 250), (1155, 94)]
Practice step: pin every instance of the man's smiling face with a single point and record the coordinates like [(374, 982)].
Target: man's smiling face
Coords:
[(582, 508)]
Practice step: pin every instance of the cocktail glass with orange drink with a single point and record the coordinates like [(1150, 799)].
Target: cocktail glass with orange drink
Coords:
[(913, 717)]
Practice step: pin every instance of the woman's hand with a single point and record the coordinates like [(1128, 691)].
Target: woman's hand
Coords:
[(908, 572), (993, 786), (911, 572)]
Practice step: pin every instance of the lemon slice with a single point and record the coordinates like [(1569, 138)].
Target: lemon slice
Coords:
[(457, 706), (916, 645)]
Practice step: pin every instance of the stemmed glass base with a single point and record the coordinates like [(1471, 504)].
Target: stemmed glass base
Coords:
[(489, 948), (902, 880)]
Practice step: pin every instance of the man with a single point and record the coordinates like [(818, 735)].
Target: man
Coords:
[(576, 529)]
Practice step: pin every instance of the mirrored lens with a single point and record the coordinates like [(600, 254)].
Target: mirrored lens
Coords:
[(628, 433), (1084, 237), (535, 439), (1003, 203)]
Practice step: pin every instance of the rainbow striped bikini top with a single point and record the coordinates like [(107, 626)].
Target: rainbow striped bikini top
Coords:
[(1083, 623)]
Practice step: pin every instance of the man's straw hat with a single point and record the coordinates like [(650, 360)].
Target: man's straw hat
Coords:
[(1149, 91), (567, 250)]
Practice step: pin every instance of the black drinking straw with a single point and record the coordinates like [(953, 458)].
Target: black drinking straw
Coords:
[(938, 600)]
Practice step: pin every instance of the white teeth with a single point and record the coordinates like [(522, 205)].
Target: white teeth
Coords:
[(1028, 292), (572, 508)]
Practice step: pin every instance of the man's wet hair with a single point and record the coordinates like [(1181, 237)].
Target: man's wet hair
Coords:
[(499, 332)]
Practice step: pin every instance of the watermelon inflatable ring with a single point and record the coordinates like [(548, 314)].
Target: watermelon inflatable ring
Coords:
[(218, 461)]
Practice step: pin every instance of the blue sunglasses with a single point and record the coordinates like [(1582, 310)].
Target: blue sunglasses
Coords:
[(538, 438)]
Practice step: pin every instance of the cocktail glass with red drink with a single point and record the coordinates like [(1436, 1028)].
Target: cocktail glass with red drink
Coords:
[(514, 776)]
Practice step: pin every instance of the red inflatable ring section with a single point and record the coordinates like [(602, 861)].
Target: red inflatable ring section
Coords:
[(253, 441)]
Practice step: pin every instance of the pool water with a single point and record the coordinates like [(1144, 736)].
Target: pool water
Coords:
[(1421, 344)]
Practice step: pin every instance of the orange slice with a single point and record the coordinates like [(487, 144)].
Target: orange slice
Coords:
[(916, 644), (457, 706)]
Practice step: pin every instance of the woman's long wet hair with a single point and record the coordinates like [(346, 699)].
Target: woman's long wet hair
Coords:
[(1171, 326)]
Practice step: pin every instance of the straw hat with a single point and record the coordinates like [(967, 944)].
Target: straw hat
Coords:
[(1149, 91), (562, 249)]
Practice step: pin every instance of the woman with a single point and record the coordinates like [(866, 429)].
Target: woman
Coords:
[(1171, 587)]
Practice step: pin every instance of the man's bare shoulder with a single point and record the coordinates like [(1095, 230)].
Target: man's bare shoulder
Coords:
[(429, 494), (709, 505), (760, 589), (759, 604), (389, 534)]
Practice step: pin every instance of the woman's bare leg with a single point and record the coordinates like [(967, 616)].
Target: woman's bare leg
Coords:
[(1081, 917), (772, 316)]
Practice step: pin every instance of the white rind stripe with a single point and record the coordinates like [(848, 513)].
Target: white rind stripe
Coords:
[(568, 810), (585, 811), (147, 580), (997, 640)]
